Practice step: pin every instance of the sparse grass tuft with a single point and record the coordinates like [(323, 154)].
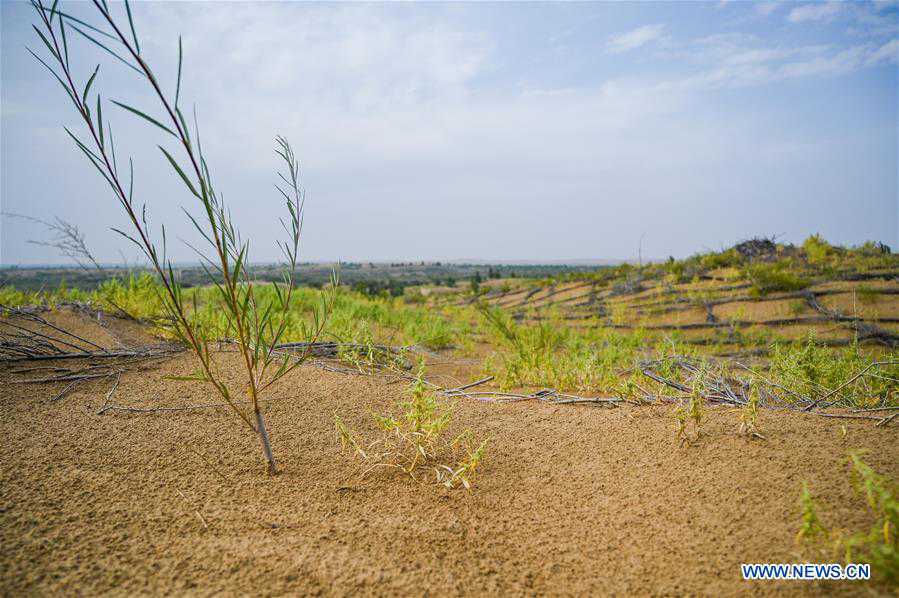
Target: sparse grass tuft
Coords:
[(689, 413), (548, 353), (416, 443), (749, 415)]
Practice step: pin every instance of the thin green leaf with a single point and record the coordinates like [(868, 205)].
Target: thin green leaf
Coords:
[(131, 23), (115, 166), (198, 227), (131, 184), (100, 120), (179, 171), (53, 10), (146, 117), (94, 157), (239, 261), (184, 127), (55, 76), (83, 24), (104, 47), (65, 41), (129, 237), (178, 84), (87, 88), (46, 42)]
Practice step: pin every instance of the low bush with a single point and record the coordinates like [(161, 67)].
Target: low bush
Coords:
[(416, 441), (817, 250), (770, 278), (815, 371), (723, 259)]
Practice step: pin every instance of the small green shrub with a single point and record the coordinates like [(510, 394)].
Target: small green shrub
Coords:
[(677, 270), (749, 415), (814, 370), (797, 307), (139, 296), (690, 413), (770, 278), (817, 250), (13, 297), (415, 442), (723, 259)]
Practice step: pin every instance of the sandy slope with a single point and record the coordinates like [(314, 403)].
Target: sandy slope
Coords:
[(572, 499)]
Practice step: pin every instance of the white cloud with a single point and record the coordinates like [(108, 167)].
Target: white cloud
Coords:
[(636, 38), (821, 11), (745, 67), (866, 19), (357, 57), (877, 21), (888, 52), (734, 49), (766, 8)]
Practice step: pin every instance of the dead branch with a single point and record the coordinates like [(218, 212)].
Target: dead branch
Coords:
[(67, 239), (864, 330), (109, 395)]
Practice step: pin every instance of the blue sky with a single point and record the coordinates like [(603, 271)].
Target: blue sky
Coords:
[(487, 131)]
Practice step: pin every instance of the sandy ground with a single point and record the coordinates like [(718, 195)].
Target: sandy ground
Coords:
[(571, 499)]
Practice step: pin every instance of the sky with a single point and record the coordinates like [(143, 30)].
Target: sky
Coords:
[(480, 131)]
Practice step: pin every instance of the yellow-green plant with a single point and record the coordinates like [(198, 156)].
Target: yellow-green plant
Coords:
[(689, 413), (415, 442), (839, 374), (810, 527), (817, 250), (769, 278), (879, 546), (629, 390), (750, 413)]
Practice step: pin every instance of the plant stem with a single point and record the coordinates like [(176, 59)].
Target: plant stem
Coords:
[(266, 445)]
